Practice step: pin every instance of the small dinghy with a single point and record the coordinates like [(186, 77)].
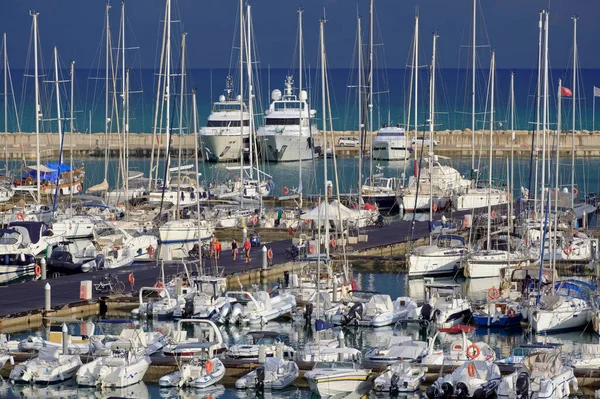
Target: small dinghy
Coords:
[(400, 377), (119, 369), (475, 379), (542, 376), (445, 307), (181, 346), (255, 308), (49, 367), (198, 374), (337, 378), (378, 311), (398, 348), (275, 373)]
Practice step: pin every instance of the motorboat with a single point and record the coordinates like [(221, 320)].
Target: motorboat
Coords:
[(182, 346), (180, 192), (226, 136), (164, 307), (198, 373), (390, 144), (541, 375), (398, 347), (274, 373), (184, 230), (48, 367), (287, 132), (461, 351), (499, 314), (256, 308), (79, 339), (378, 311), (135, 340), (119, 369), (474, 379), (566, 307), (400, 377), (69, 258), (208, 298), (335, 378), (36, 236), (143, 246), (479, 197), (444, 305), (488, 262), (588, 358), (248, 347), (381, 191), (443, 257), (78, 226)]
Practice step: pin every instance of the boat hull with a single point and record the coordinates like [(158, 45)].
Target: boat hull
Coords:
[(285, 147)]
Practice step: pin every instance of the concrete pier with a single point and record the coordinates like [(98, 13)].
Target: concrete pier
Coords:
[(456, 143)]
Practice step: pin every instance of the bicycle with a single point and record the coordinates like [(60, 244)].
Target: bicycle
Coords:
[(109, 284)]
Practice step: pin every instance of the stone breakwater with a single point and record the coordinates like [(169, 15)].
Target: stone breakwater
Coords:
[(457, 143)]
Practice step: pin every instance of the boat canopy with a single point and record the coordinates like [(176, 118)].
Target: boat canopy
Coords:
[(49, 172)]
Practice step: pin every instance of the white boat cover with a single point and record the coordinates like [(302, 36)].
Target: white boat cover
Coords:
[(544, 364), (379, 304)]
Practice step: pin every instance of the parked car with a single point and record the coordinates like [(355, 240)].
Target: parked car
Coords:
[(347, 142), (423, 140)]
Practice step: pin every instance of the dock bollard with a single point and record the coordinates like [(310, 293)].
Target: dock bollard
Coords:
[(47, 291), (342, 344), (265, 265), (65, 339), (43, 267), (279, 350), (262, 354)]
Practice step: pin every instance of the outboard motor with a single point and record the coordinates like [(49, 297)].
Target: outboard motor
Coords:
[(426, 312), (99, 262), (488, 389), (236, 312), (438, 390), (447, 390), (354, 313), (522, 385), (260, 378), (224, 312), (462, 391), (394, 384), (308, 311), (286, 279)]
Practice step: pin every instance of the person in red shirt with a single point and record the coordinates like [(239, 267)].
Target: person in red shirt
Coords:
[(218, 249), (247, 247)]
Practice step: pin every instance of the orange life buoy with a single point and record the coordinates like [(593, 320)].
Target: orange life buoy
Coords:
[(116, 247), (270, 254), (131, 279), (38, 270), (493, 214), (575, 191), (473, 351), (208, 366), (20, 216), (150, 250), (471, 369), (160, 285), (285, 191), (434, 207), (493, 293), (568, 250), (254, 220), (511, 312), (329, 191)]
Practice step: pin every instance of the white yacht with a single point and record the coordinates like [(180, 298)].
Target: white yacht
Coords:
[(282, 138), (337, 378), (118, 370), (444, 256), (227, 131), (390, 144)]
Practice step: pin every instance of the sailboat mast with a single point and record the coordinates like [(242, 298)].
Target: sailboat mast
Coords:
[(556, 188), (512, 154), (300, 55), (492, 77), (5, 59), (573, 89), (360, 110), (431, 126), (58, 114), (106, 93), (38, 111), (123, 104), (242, 94), (473, 81), (126, 134), (197, 179), (168, 94), (181, 104), (416, 67), (544, 112), (537, 110), (71, 128), (323, 95), (371, 92), (250, 88)]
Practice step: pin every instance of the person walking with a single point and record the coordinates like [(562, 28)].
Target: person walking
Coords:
[(234, 249), (218, 249), (247, 247)]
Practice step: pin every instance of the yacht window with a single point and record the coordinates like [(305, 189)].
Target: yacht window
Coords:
[(266, 341), (282, 121), (288, 105), (227, 107), (233, 123)]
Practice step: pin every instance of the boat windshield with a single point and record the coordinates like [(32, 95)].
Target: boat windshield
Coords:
[(334, 365), (222, 107), (285, 105), (266, 341)]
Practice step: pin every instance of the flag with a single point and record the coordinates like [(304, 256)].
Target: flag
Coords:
[(565, 92), (321, 325), (596, 91)]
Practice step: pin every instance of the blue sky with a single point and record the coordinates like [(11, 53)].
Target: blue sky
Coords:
[(75, 26)]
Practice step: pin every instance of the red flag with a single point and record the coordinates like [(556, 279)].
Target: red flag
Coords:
[(565, 92)]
